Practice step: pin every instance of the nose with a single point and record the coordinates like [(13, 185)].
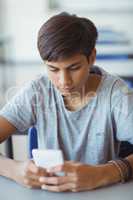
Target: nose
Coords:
[(65, 79)]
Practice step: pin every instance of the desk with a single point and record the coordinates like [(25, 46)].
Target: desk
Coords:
[(11, 190)]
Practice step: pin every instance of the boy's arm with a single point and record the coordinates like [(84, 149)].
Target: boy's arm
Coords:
[(81, 177), (6, 129), (26, 172), (7, 167), (112, 174)]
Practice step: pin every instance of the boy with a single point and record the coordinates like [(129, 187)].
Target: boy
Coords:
[(78, 108)]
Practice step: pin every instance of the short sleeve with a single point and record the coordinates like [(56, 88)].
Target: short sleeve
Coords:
[(21, 109), (122, 111)]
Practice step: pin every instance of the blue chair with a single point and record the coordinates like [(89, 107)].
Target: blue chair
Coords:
[(32, 140)]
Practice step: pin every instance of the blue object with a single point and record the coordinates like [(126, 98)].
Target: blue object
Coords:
[(32, 140), (130, 83), (113, 56)]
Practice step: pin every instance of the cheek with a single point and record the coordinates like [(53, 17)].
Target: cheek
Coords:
[(81, 76), (54, 78)]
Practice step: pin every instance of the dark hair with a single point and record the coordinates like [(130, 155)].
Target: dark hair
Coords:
[(64, 35)]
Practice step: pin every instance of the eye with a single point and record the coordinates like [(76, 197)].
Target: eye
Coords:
[(53, 70), (75, 68)]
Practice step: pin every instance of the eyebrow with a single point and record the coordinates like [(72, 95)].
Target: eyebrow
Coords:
[(69, 66)]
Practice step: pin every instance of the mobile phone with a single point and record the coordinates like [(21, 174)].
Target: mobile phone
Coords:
[(47, 158)]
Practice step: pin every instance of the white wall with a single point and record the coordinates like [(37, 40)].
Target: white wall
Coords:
[(20, 147), (23, 21)]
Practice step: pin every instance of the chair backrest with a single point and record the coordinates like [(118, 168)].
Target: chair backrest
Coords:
[(32, 140), (125, 149)]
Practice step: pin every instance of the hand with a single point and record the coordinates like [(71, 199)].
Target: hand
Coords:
[(78, 177), (28, 174)]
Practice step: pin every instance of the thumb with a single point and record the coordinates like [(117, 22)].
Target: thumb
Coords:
[(32, 167)]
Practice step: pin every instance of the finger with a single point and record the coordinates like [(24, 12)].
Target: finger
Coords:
[(81, 189), (59, 188), (31, 183), (43, 172), (67, 167), (57, 180), (30, 175), (31, 167), (34, 176), (54, 180)]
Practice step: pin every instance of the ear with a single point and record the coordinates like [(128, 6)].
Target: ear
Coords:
[(92, 57)]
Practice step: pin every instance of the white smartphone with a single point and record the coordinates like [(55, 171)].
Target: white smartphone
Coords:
[(47, 158)]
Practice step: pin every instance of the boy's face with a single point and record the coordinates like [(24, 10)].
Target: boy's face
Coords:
[(70, 75)]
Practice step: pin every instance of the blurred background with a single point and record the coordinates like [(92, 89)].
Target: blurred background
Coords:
[(20, 60)]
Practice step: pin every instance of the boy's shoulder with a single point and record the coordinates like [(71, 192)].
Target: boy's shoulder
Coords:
[(109, 80), (114, 85), (40, 82)]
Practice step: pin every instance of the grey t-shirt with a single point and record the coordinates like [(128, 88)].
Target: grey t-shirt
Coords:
[(90, 135)]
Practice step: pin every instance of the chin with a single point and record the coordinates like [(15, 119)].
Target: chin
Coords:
[(65, 93)]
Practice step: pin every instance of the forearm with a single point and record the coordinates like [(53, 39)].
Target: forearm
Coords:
[(108, 175), (7, 167), (110, 172)]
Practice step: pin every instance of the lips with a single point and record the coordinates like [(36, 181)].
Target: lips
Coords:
[(66, 90)]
